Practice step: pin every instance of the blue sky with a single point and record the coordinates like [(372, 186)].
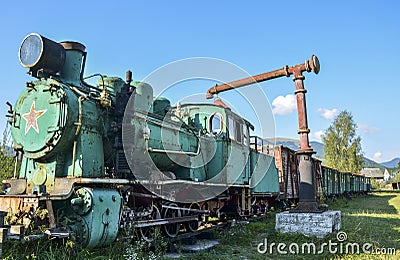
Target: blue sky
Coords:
[(356, 42)]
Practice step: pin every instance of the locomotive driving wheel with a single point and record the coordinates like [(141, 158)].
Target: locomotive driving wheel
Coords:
[(205, 217), (195, 224), (170, 212), (148, 233)]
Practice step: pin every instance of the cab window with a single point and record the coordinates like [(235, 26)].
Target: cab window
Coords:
[(231, 123), (238, 132), (215, 124), (245, 135)]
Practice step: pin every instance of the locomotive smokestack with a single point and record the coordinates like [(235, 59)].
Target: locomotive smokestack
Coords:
[(128, 77), (74, 59)]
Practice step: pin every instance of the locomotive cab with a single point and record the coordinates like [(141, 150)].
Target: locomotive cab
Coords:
[(229, 163)]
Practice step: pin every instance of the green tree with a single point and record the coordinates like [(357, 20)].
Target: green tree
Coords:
[(342, 148), (7, 165), (7, 160)]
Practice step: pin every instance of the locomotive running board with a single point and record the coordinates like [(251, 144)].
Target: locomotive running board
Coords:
[(63, 187)]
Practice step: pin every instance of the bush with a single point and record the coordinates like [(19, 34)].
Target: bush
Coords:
[(7, 165), (376, 184)]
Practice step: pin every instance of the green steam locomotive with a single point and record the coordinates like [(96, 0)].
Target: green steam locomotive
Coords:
[(98, 159)]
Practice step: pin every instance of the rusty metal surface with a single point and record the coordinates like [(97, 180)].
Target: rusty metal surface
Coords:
[(307, 195), (302, 112), (14, 204), (73, 46), (128, 77), (318, 177), (17, 186), (52, 219), (308, 65), (63, 186), (286, 162)]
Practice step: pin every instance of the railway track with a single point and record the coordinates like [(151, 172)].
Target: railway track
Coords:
[(204, 238), (204, 232)]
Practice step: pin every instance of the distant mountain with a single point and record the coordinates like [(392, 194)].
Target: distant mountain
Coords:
[(295, 144), (392, 163), (319, 149), (368, 163), (288, 142)]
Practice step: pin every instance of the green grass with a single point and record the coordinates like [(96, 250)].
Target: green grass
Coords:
[(60, 250), (373, 219)]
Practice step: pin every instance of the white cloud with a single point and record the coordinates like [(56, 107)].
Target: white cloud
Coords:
[(328, 114), (317, 136), (377, 156), (366, 129), (284, 105)]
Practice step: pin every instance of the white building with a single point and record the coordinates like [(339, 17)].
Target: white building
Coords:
[(386, 175)]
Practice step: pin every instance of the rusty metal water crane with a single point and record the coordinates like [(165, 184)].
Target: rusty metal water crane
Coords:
[(307, 196)]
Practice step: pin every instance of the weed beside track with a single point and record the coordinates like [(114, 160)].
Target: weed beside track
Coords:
[(368, 219)]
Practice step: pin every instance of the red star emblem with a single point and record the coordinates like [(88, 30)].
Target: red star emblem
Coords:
[(31, 118)]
